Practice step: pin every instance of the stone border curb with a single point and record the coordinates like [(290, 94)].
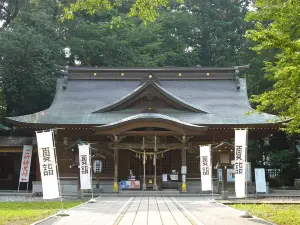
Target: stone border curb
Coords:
[(49, 217)]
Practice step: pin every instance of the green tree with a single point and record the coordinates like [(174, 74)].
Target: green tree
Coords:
[(9, 9), (146, 10), (182, 36), (218, 29), (162, 43), (29, 51), (277, 28)]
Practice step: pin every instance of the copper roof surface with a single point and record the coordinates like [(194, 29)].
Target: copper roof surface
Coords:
[(219, 101)]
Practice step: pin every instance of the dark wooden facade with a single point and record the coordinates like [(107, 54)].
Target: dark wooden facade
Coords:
[(121, 111)]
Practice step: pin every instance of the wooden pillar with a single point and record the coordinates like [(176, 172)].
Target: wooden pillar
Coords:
[(154, 163), (183, 164), (144, 167), (224, 177), (116, 164), (183, 175)]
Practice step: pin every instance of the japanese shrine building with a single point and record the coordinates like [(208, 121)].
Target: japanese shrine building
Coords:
[(161, 113)]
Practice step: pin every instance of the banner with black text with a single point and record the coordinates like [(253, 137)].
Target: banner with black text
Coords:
[(48, 163), (239, 164), (205, 167), (85, 166)]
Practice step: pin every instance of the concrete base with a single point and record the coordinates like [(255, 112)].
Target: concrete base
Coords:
[(62, 213), (92, 200), (69, 186), (245, 214), (183, 187), (224, 195), (116, 187)]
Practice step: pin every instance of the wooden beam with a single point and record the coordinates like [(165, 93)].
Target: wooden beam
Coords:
[(147, 133), (14, 149)]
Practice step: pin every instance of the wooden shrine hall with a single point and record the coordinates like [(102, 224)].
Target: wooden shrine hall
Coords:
[(145, 125)]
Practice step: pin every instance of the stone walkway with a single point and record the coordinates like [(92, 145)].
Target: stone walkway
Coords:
[(152, 211)]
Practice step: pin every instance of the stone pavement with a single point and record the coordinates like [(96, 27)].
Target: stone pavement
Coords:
[(152, 211)]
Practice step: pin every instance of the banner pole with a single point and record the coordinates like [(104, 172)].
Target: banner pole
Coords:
[(62, 211), (27, 187), (19, 187), (212, 181), (92, 200)]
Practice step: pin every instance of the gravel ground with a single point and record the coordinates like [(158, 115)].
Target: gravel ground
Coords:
[(34, 199)]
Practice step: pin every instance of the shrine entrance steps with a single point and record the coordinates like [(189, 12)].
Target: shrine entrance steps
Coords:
[(150, 193)]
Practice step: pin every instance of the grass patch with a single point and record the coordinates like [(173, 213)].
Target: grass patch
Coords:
[(279, 214), (21, 213)]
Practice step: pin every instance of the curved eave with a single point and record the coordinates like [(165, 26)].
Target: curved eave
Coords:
[(141, 88), (150, 120)]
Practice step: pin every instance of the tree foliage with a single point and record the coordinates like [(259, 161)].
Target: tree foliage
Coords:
[(182, 36), (146, 10), (277, 28), (9, 9), (29, 51)]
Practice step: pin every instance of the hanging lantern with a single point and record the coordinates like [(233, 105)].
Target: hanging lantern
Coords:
[(97, 166), (162, 155), (136, 155), (150, 156)]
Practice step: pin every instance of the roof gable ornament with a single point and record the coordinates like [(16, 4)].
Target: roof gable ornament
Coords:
[(65, 80), (237, 72), (150, 77), (141, 92)]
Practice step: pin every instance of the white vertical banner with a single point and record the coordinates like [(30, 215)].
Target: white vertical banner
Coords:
[(239, 165), (25, 164), (48, 164), (260, 180), (205, 168), (85, 166)]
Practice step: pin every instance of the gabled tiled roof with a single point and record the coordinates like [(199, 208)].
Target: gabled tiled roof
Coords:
[(220, 99)]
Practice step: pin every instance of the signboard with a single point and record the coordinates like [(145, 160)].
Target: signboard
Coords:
[(205, 168), (231, 175), (165, 177), (260, 180), (239, 165), (220, 174), (47, 164), (248, 172), (25, 164), (130, 184), (85, 167), (174, 176)]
